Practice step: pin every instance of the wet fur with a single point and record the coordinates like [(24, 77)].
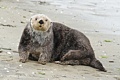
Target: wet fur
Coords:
[(66, 45), (36, 44), (73, 47)]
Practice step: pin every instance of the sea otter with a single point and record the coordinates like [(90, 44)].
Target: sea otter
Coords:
[(48, 41)]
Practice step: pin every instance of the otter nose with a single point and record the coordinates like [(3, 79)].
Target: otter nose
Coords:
[(41, 22)]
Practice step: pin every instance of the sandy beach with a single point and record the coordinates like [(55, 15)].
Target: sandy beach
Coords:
[(98, 20)]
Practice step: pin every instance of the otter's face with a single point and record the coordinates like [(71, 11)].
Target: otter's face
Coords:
[(40, 22)]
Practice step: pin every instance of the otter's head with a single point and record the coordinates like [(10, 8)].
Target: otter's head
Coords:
[(40, 22)]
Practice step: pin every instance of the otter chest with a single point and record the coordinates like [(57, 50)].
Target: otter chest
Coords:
[(41, 40)]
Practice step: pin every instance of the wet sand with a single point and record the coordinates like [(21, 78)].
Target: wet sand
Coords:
[(98, 20)]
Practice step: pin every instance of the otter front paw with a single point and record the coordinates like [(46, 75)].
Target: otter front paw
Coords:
[(42, 62), (43, 58), (23, 60), (23, 57)]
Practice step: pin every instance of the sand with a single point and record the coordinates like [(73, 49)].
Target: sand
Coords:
[(98, 20)]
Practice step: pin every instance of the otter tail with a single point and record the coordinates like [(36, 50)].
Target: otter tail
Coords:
[(97, 64)]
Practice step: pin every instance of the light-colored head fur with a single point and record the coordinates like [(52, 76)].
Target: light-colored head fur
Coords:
[(40, 22)]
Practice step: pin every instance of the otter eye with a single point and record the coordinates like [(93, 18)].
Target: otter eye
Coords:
[(46, 20), (35, 18)]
